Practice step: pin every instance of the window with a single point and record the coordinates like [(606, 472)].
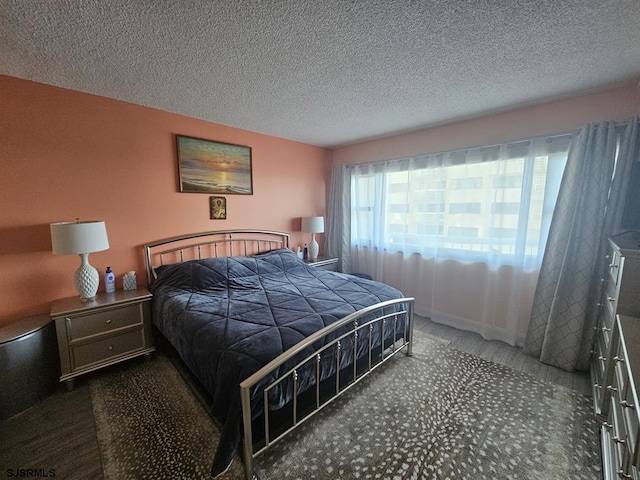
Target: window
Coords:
[(465, 207), (485, 205), (428, 207), (470, 232), (506, 207), (430, 229), (466, 183), (508, 181), (499, 232)]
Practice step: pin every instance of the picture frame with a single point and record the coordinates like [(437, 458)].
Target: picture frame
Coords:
[(217, 208), (208, 166)]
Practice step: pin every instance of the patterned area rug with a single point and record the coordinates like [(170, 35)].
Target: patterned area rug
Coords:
[(441, 414), (150, 425)]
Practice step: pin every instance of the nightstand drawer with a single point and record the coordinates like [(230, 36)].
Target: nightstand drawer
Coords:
[(89, 353), (105, 321)]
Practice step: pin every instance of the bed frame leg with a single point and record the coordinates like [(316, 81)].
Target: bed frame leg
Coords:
[(410, 317), (247, 451)]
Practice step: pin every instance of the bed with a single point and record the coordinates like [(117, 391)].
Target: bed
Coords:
[(270, 338)]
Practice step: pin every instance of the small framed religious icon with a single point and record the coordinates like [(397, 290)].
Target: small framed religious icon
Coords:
[(218, 208)]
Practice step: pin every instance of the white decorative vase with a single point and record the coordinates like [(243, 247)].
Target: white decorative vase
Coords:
[(86, 279)]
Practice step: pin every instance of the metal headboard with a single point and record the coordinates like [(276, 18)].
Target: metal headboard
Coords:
[(219, 243)]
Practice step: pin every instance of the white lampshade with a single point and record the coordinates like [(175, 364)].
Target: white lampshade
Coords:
[(82, 238), (68, 238), (313, 224)]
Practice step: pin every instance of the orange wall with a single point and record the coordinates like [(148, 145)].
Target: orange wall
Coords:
[(67, 155), (526, 122)]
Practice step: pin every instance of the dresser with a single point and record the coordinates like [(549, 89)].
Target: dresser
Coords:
[(620, 433), (616, 358), (112, 328), (621, 296)]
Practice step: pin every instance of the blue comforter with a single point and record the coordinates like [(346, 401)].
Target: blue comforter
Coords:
[(228, 317)]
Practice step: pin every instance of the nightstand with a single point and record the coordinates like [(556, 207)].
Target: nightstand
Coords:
[(325, 263), (112, 328)]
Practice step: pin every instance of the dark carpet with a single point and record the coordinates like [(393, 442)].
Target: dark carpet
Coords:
[(441, 414)]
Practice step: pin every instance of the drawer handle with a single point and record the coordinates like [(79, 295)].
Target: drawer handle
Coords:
[(612, 388), (108, 320), (607, 425), (621, 474), (110, 347), (618, 359), (606, 329), (602, 359), (626, 404), (611, 299), (619, 440), (597, 385)]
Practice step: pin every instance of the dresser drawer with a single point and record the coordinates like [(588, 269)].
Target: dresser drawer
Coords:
[(615, 261), (618, 433), (614, 464), (97, 352), (105, 321), (607, 320), (597, 379), (609, 458), (600, 357), (630, 419), (611, 295), (620, 369), (627, 470)]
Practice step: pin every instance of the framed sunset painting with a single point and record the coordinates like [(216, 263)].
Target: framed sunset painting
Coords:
[(206, 166)]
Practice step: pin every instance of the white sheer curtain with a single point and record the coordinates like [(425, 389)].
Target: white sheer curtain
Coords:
[(463, 232)]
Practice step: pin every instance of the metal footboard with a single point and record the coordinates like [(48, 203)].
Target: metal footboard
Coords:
[(349, 329)]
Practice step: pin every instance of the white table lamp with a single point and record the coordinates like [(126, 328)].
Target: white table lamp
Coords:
[(313, 225), (81, 238)]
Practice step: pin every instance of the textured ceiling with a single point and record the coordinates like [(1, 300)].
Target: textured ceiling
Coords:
[(324, 72)]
